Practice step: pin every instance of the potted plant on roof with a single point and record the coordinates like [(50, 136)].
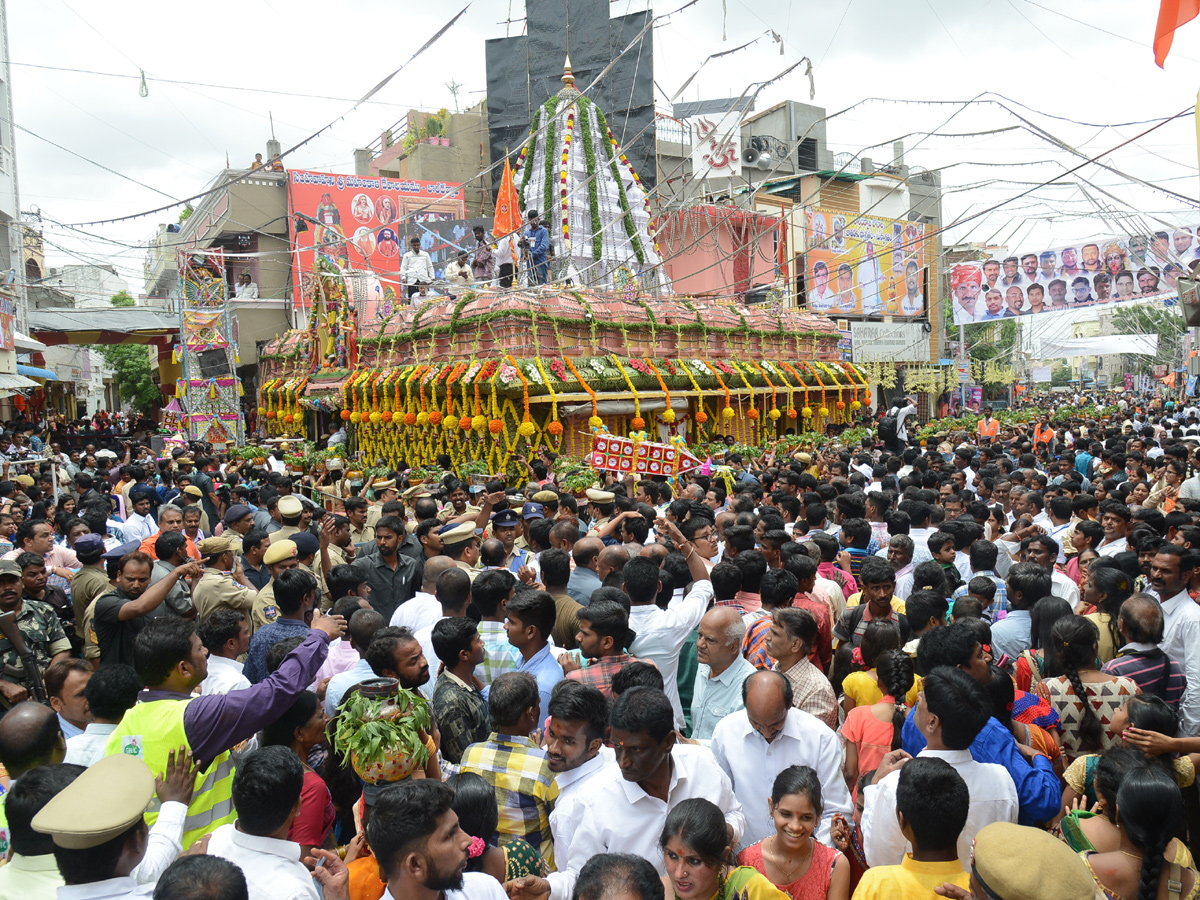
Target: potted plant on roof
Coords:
[(433, 129), (382, 731)]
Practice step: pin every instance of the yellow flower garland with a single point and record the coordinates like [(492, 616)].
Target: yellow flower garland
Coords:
[(637, 400)]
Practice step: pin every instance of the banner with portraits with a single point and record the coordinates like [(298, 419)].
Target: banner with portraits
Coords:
[(1081, 276), (864, 265)]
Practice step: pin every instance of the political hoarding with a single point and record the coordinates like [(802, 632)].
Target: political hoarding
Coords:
[(864, 265), (361, 224), (1092, 274)]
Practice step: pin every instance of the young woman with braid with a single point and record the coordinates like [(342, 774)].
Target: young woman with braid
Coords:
[(1106, 588), (1151, 863), (871, 731), (1074, 643)]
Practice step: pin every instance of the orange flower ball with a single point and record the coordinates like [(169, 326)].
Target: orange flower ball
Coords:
[(410, 419), (752, 413), (701, 417), (274, 415), (289, 418), (345, 415), (387, 416), (841, 404), (435, 418), (555, 428), (465, 423), (638, 423), (791, 413), (496, 426)]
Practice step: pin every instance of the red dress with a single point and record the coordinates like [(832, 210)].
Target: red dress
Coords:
[(316, 815), (813, 884)]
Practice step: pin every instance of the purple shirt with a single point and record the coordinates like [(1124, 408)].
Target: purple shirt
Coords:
[(215, 723)]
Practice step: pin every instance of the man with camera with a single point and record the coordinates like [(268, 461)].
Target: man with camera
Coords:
[(535, 243)]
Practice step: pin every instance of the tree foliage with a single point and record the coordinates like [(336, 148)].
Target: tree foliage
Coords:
[(1151, 319), (131, 373), (1062, 376), (123, 298)]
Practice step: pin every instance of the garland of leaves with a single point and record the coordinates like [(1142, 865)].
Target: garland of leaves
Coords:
[(548, 189), (626, 215), (589, 155)]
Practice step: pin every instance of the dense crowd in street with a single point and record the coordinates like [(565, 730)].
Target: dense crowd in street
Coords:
[(964, 669)]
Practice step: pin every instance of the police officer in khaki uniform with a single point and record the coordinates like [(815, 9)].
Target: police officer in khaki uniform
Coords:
[(549, 501), (290, 511), (278, 559), (460, 543), (223, 583), (600, 507), (106, 802), (383, 491), (238, 520)]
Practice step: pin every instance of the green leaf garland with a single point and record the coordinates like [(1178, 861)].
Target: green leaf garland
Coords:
[(627, 217), (548, 189), (528, 167), (589, 154)]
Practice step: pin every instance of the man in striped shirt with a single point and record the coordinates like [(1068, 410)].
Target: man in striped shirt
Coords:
[(1141, 625)]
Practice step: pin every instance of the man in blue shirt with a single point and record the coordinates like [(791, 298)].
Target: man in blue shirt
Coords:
[(295, 596), (1038, 789), (537, 242), (528, 620)]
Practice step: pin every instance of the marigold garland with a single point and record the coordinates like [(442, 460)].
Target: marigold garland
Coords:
[(668, 413), (637, 400), (584, 385), (537, 361), (527, 420)]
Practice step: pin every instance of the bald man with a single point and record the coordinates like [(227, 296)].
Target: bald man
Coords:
[(721, 670), (30, 736), (610, 564), (585, 578), (753, 745), (423, 610)]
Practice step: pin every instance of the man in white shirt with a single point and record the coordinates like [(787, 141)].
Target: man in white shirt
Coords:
[(1170, 573), (246, 288), (416, 268), (902, 413), (661, 633), (627, 804), (266, 795), (414, 833), (575, 752), (226, 636), (1043, 550), (424, 609), (1114, 519), (755, 744), (721, 671), (139, 525), (109, 693), (953, 708)]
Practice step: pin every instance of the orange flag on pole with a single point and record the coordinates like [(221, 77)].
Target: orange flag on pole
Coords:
[(1172, 15), (508, 205)]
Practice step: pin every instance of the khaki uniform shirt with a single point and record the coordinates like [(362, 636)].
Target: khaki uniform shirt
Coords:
[(264, 611), (89, 583), (366, 533), (470, 570), (283, 534), (598, 523), (217, 589), (448, 512)]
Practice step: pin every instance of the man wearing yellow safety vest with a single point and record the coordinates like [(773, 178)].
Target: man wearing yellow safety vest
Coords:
[(171, 661)]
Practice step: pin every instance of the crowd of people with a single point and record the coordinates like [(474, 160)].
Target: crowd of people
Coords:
[(967, 670)]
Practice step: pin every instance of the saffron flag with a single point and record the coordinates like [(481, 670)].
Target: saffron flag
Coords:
[(508, 205), (1172, 14)]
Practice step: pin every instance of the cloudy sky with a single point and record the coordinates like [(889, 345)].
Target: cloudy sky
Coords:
[(1081, 73)]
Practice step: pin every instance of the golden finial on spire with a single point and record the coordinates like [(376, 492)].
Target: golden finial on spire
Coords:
[(568, 78)]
